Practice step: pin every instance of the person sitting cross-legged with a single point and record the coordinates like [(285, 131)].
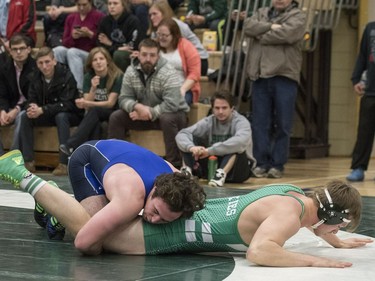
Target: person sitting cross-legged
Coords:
[(225, 134)]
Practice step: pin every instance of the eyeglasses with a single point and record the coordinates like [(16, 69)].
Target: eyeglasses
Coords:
[(162, 35), (18, 50)]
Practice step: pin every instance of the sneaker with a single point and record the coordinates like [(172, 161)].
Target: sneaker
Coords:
[(259, 172), (55, 230), (40, 215), (12, 168), (186, 170), (60, 170), (66, 149), (356, 175), (30, 166), (218, 179), (274, 173)]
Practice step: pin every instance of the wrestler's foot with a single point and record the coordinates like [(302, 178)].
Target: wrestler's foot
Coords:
[(55, 230), (12, 168)]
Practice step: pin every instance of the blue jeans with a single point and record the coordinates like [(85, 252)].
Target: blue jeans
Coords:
[(75, 59), (273, 101), (62, 120)]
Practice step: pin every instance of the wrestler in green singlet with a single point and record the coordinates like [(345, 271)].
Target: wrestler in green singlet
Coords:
[(213, 228)]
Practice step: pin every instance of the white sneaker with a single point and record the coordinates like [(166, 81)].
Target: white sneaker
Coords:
[(218, 179), (186, 170)]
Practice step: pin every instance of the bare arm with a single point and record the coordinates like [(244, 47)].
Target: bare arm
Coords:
[(266, 247), (126, 201), (336, 242)]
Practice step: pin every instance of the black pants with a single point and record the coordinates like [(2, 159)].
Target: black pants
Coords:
[(240, 171), (365, 134)]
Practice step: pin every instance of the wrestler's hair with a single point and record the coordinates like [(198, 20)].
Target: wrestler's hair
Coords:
[(181, 192), (344, 196)]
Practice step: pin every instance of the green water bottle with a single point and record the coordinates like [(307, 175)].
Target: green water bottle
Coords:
[(212, 167)]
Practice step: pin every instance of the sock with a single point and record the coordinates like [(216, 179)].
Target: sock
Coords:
[(32, 183), (56, 223), (39, 208)]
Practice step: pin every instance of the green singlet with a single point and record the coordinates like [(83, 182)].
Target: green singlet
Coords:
[(212, 229)]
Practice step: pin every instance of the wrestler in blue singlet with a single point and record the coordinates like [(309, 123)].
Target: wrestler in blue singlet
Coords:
[(91, 160)]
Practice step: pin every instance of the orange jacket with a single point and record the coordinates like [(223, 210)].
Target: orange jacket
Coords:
[(191, 64)]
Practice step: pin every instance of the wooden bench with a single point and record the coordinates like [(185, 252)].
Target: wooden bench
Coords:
[(46, 143)]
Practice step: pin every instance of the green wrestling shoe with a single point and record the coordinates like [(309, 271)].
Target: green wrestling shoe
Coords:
[(12, 168)]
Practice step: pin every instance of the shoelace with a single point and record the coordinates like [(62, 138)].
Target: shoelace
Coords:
[(10, 179)]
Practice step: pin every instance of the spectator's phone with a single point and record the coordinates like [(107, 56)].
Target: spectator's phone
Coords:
[(77, 27)]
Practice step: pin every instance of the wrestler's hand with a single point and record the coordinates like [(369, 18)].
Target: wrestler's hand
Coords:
[(324, 262), (354, 242)]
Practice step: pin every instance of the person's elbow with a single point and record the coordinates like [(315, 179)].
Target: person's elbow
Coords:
[(86, 248), (256, 255)]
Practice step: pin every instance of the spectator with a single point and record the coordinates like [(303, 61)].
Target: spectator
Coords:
[(364, 86), (160, 10), (241, 10), (120, 32), (17, 17), (80, 32), (50, 103), (54, 20), (14, 83), (140, 10), (183, 56), (206, 14), (150, 99), (275, 64), (174, 4), (101, 87), (225, 134), (101, 5)]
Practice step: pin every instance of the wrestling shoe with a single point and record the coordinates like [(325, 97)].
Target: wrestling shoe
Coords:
[(12, 168), (218, 179), (55, 230)]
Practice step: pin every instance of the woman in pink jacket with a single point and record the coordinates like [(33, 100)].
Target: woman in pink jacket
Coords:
[(183, 56)]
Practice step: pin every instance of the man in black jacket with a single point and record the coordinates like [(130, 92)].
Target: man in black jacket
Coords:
[(15, 72), (50, 103)]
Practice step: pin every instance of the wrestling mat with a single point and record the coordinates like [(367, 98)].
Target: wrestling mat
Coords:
[(27, 254)]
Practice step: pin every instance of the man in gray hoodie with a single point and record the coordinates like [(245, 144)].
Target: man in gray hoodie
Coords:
[(150, 99), (225, 134)]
